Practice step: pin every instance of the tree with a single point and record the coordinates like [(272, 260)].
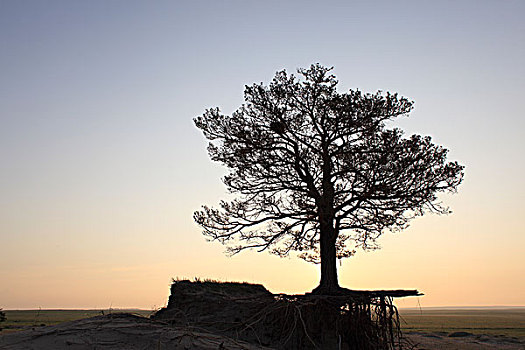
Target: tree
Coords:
[(318, 171)]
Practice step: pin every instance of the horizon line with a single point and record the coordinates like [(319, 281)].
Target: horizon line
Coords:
[(472, 307)]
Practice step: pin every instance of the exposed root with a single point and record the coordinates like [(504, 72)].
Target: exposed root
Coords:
[(351, 320)]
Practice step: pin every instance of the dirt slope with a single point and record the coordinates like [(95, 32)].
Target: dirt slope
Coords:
[(117, 331)]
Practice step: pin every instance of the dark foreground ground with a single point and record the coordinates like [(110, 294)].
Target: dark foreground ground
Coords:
[(81, 329), (116, 331)]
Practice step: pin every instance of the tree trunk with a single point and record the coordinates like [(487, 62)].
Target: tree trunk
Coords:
[(329, 283)]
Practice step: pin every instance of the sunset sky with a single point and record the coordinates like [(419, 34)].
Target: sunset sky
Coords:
[(101, 166)]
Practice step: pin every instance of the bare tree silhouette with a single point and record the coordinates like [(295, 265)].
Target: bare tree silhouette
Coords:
[(317, 171)]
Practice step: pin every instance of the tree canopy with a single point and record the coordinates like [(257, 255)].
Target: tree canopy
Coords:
[(318, 171)]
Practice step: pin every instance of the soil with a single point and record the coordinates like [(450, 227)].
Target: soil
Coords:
[(127, 331), (450, 341), (117, 331), (354, 320)]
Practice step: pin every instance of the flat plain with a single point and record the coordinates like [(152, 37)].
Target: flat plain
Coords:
[(465, 329), (24, 319), (493, 321)]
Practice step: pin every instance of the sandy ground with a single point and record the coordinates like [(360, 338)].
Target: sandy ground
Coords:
[(442, 341), (126, 331), (117, 331)]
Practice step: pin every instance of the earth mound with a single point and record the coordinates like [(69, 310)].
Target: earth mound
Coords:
[(212, 304), (227, 308), (249, 312)]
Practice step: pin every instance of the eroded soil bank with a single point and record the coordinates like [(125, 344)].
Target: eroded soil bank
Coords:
[(350, 320)]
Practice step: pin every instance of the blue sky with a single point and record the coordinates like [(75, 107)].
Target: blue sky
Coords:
[(102, 167)]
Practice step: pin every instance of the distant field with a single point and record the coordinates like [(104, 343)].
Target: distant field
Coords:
[(508, 322), (20, 319)]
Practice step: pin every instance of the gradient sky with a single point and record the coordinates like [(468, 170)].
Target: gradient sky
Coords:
[(101, 167)]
